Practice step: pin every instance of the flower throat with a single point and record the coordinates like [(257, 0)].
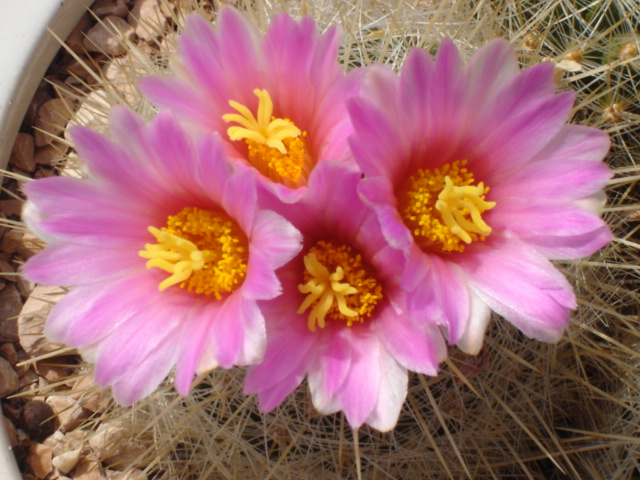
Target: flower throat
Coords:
[(339, 285), (443, 208), (203, 251), (277, 147)]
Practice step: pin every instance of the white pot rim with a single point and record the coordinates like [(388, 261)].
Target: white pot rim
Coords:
[(8, 465), (26, 49)]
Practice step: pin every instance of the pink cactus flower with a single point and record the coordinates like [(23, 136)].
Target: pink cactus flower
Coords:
[(341, 320), (166, 250), (278, 98), (477, 179)]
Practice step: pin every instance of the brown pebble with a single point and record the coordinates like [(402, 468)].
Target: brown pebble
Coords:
[(70, 413), (5, 267), (29, 246), (22, 155), (133, 474), (51, 119), (25, 287), (11, 207), (149, 17), (53, 373), (43, 173), (39, 460), (11, 433), (32, 338), (9, 381), (22, 357), (50, 154), (19, 171), (92, 397), (43, 85), (11, 241), (38, 99), (29, 381), (11, 409), (88, 468), (67, 461), (8, 352), (105, 37), (84, 70), (10, 307), (64, 91), (38, 419), (75, 38), (105, 8)]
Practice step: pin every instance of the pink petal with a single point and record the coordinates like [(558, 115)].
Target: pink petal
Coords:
[(83, 212), (451, 295), (328, 373), (69, 264), (519, 284), (107, 160), (261, 282), (417, 267), (214, 56), (283, 368), (334, 200), (194, 336), (213, 167), (569, 167), (238, 332), (269, 398), (254, 334), (473, 336), (376, 146), (88, 313), (237, 337), (489, 70), (361, 388), (289, 49), (275, 238), (378, 192), (435, 140), (128, 345), (180, 97), (170, 146), (527, 117), (142, 380), (239, 199), (393, 391), (419, 348), (210, 56), (557, 231), (446, 88)]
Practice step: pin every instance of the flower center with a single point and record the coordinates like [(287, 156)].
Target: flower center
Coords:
[(205, 252), (443, 208), (277, 147), (339, 284)]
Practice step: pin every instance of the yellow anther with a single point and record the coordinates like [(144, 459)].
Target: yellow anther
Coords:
[(277, 148), (264, 129), (174, 255), (205, 252), (455, 203), (328, 295), (443, 208)]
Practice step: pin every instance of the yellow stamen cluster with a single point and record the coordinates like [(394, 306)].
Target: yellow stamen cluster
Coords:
[(443, 208), (286, 169), (339, 284), (277, 147), (205, 252)]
